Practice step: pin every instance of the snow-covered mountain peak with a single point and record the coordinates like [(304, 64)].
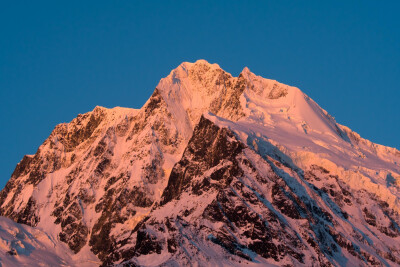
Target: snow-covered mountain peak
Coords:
[(279, 113), (195, 88), (246, 71), (199, 64), (187, 69), (165, 184)]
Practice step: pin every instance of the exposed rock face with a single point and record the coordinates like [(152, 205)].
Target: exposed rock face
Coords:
[(213, 169), (206, 149)]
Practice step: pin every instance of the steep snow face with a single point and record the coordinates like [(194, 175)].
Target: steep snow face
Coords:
[(21, 245), (285, 107), (294, 120), (97, 180)]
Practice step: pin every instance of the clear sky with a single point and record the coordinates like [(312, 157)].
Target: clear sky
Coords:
[(62, 58)]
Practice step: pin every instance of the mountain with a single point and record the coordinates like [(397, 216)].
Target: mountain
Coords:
[(213, 170)]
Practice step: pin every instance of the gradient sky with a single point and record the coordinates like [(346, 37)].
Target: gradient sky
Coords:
[(62, 58)]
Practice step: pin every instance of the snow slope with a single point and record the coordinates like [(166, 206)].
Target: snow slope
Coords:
[(21, 245)]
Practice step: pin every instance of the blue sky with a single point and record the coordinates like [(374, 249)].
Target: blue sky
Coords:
[(62, 58)]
